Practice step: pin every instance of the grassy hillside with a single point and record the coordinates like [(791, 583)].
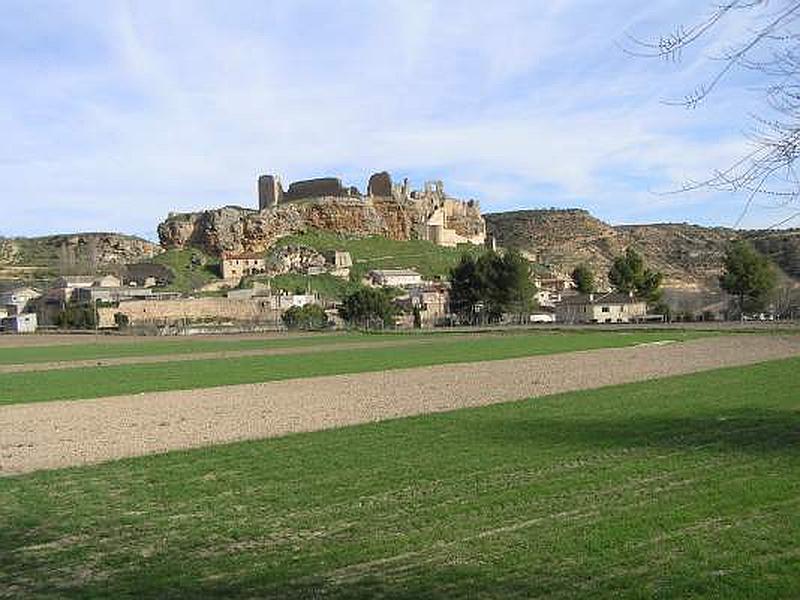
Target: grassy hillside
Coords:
[(326, 285), (428, 259), (684, 488), (382, 253), (192, 268)]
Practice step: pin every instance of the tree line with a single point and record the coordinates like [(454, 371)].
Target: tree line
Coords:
[(494, 286)]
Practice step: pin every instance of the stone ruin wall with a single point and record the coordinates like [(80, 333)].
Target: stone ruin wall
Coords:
[(148, 312), (389, 210)]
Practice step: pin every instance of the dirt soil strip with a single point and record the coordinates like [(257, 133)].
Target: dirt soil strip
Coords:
[(218, 354), (60, 434)]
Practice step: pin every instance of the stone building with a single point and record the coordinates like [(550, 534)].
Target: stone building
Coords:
[(433, 302), (338, 263), (189, 310), (21, 323), (67, 288), (601, 308), (238, 265), (18, 300), (394, 278)]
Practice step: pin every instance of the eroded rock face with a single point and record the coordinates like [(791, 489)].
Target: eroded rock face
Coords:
[(234, 229), (294, 259)]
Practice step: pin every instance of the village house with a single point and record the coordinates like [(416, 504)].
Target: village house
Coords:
[(18, 300), (65, 288), (606, 307), (432, 301), (394, 278), (338, 263), (235, 266), (554, 282), (95, 294), (547, 298), (19, 323)]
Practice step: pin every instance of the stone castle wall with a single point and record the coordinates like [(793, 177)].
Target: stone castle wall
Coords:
[(390, 211), (143, 312)]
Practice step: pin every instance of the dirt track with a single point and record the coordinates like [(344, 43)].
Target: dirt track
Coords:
[(59, 434)]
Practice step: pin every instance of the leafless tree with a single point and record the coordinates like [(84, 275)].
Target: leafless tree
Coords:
[(67, 260), (770, 47)]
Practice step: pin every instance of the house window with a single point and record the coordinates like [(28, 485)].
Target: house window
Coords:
[(606, 309)]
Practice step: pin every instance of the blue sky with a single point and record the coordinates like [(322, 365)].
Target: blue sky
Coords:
[(116, 112)]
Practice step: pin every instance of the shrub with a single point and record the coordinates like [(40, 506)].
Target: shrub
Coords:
[(308, 317)]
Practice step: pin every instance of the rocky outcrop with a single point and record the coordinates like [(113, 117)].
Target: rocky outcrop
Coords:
[(294, 259), (94, 249), (235, 229)]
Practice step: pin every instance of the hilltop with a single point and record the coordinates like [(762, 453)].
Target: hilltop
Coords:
[(690, 256), (46, 256)]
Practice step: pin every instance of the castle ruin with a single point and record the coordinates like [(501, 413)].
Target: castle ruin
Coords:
[(436, 217)]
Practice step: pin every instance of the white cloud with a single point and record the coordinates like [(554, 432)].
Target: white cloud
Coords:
[(183, 104)]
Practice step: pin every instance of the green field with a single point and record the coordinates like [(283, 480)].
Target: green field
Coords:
[(96, 382), (89, 348), (684, 488)]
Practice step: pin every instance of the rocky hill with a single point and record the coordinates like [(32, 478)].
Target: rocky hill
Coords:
[(690, 256), (236, 229), (30, 258)]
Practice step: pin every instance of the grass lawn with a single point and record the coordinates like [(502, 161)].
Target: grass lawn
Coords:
[(96, 382), (326, 285), (688, 487), (91, 348)]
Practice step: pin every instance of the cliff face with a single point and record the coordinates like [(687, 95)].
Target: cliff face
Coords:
[(690, 256), (234, 229)]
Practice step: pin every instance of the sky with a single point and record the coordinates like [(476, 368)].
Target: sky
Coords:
[(116, 112)]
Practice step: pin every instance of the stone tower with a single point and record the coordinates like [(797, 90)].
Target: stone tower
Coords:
[(380, 184), (270, 191)]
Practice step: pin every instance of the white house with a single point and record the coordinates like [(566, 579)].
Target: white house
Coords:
[(607, 307), (18, 300), (22, 323), (395, 277)]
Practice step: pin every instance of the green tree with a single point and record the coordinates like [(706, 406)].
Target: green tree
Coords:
[(483, 289), (466, 288), (628, 274), (417, 315), (308, 317), (78, 316), (369, 308), (747, 275), (583, 277)]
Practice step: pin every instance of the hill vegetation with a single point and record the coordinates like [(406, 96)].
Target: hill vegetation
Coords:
[(368, 253), (46, 257), (192, 269), (689, 256)]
